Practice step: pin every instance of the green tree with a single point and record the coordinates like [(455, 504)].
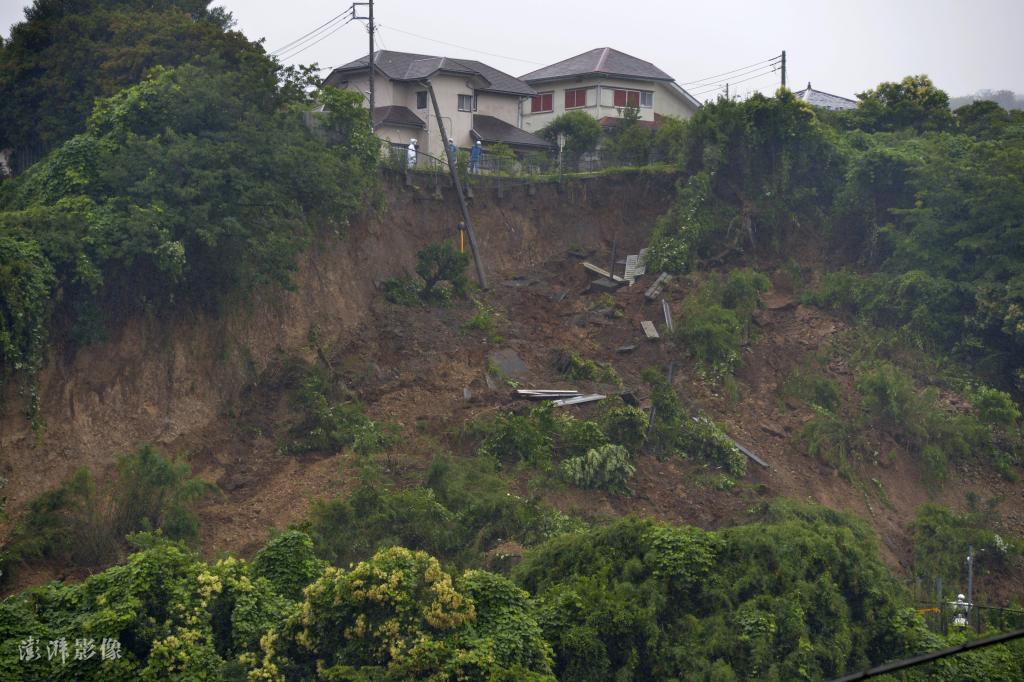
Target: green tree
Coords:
[(756, 171), (100, 48), (581, 130), (914, 103)]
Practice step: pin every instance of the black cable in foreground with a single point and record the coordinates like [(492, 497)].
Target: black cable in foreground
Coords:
[(931, 656)]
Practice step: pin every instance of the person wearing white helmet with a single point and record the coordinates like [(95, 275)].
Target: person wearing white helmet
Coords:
[(411, 155), (475, 156)]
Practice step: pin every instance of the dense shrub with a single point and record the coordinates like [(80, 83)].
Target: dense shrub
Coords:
[(802, 593), (575, 366), (400, 616), (703, 440), (288, 562), (84, 523), (463, 510), (667, 415), (625, 426), (608, 467)]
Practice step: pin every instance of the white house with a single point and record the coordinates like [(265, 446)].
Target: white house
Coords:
[(477, 102), (602, 83)]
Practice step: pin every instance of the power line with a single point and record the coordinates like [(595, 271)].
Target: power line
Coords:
[(740, 74), (712, 86), (742, 68), (325, 37), (717, 86), (315, 30), (462, 47)]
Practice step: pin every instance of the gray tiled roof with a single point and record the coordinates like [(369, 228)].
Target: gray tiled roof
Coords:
[(600, 61), (397, 116), (491, 129), (406, 66), (825, 100)]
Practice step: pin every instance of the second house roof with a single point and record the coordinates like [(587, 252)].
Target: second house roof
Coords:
[(407, 66), (602, 61)]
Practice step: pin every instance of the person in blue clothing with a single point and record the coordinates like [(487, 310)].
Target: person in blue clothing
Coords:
[(475, 155), (452, 148)]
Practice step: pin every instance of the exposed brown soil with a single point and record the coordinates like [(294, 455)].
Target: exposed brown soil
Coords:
[(218, 390)]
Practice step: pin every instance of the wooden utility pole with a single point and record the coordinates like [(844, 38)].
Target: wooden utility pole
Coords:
[(783, 68), (373, 60), (453, 169), (372, 29)]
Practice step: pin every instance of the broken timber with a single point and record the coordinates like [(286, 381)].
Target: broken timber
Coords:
[(649, 329), (578, 400), (601, 271), (545, 394)]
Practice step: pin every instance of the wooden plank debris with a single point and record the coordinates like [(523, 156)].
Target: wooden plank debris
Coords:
[(668, 315), (649, 329), (578, 400), (601, 271), (751, 455), (655, 289), (545, 394), (626, 349)]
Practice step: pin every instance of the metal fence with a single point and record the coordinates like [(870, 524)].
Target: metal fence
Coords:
[(506, 170), (943, 617)]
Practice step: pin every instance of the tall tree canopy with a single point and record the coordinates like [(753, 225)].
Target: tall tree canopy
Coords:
[(69, 52)]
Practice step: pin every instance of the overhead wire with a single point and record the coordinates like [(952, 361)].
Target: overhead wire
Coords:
[(742, 68), (712, 87), (732, 78), (301, 38), (462, 47), (321, 39)]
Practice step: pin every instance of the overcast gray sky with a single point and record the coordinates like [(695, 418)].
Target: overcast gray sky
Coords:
[(841, 46)]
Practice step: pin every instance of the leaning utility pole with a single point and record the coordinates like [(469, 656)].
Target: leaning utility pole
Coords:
[(783, 68), (453, 169), (372, 60), (372, 29)]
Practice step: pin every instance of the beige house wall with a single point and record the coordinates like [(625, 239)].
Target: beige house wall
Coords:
[(504, 107), (601, 100), (447, 89)]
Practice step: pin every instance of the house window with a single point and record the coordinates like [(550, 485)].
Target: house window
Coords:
[(421, 99), (467, 103), (634, 98), (576, 98), (541, 102)]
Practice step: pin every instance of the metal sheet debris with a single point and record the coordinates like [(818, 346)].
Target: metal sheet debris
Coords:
[(578, 400), (668, 315), (641, 263), (649, 329), (626, 349), (630, 274)]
